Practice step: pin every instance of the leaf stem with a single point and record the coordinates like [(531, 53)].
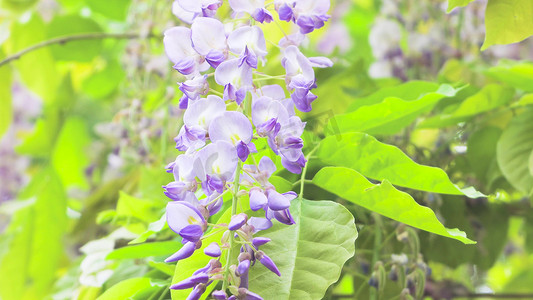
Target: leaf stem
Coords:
[(304, 172), (75, 37)]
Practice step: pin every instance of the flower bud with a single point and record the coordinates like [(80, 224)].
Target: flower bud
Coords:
[(267, 262), (237, 221), (213, 250), (191, 282), (186, 251)]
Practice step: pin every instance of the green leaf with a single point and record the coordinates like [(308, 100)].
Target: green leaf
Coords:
[(103, 83), (408, 91), (69, 157), (126, 289), (114, 9), (383, 199), (6, 106), (379, 161), (34, 239), (507, 21), (145, 250), (392, 114), (37, 69), (82, 51), (514, 150), (518, 75), (141, 209), (457, 3), (481, 151), (40, 142), (531, 163), (309, 254), (17, 5), (490, 97), (525, 100), (282, 185)]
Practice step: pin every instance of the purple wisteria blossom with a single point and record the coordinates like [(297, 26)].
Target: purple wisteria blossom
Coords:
[(222, 124)]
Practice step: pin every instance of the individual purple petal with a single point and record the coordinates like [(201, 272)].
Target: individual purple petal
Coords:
[(236, 79), (219, 295), (202, 112), (208, 34), (192, 233), (243, 267), (277, 201), (213, 250), (190, 137), (242, 151), (177, 44), (198, 6), (248, 37), (190, 282), (231, 126), (259, 224), (194, 88), (247, 6), (285, 12), (186, 251), (321, 62), (284, 217), (312, 7), (274, 91), (267, 262), (294, 166), (237, 221), (181, 214), (182, 14), (183, 169), (184, 102), (262, 15), (215, 58), (218, 160), (252, 296), (295, 63), (260, 241), (258, 200), (197, 292), (306, 24), (185, 66)]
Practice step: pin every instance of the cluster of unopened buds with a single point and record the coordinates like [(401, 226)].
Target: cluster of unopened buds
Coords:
[(220, 128)]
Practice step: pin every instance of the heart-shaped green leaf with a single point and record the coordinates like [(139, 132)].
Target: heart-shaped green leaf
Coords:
[(309, 254)]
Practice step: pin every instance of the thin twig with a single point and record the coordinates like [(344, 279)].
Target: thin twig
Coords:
[(75, 37)]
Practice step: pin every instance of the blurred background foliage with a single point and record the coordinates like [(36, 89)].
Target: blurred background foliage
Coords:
[(86, 129)]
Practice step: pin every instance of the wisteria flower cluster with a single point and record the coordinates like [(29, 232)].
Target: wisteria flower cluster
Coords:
[(218, 142)]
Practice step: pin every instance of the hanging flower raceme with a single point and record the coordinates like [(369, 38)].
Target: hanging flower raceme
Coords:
[(221, 126)]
